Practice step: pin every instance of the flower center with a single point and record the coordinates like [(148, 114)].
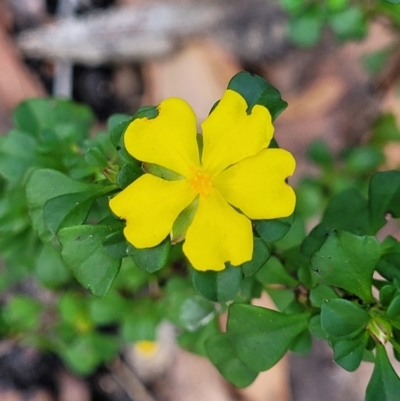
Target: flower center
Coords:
[(201, 182)]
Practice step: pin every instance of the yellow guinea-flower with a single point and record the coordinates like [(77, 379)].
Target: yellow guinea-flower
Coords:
[(236, 178)]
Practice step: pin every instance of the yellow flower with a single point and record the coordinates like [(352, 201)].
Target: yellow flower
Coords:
[(234, 179)]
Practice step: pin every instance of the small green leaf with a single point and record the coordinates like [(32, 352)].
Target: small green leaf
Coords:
[(348, 261), (109, 309), (43, 185), (222, 355), (281, 297), (257, 90), (71, 209), (349, 23), (302, 344), (349, 353), (260, 256), (273, 272), (83, 252), (116, 246), (151, 259), (384, 384), (22, 313), (88, 351), (67, 119), (218, 286), (128, 174), (384, 197), (196, 312), (162, 172), (183, 221), (305, 29), (319, 152), (259, 336), (342, 318), (195, 341), (348, 211), (50, 268), (364, 160), (375, 61), (322, 293), (314, 240), (393, 310), (17, 155), (275, 229), (386, 294), (141, 322), (385, 130)]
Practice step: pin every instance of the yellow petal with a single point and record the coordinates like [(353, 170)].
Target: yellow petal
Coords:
[(150, 206), (257, 185), (168, 140), (218, 234), (230, 134)]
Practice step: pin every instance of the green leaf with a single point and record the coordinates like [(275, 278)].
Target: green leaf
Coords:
[(342, 318), (116, 246), (315, 327), (128, 174), (364, 160), (384, 197), (349, 23), (22, 313), (183, 221), (141, 322), (349, 353), (281, 297), (309, 198), (50, 268), (393, 310), (43, 185), (17, 155), (384, 384), (218, 286), (88, 351), (260, 337), (275, 229), (67, 119), (196, 312), (386, 294), (322, 293), (385, 130), (348, 211), (273, 272), (109, 309), (294, 236), (302, 344), (257, 90), (151, 259), (117, 128), (314, 240), (260, 256), (71, 209), (319, 152), (83, 252), (375, 61), (221, 354), (305, 29), (195, 342), (348, 261), (162, 172)]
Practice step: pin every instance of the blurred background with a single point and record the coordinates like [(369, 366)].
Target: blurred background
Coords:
[(338, 70)]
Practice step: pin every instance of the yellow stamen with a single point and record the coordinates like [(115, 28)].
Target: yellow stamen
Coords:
[(200, 182)]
